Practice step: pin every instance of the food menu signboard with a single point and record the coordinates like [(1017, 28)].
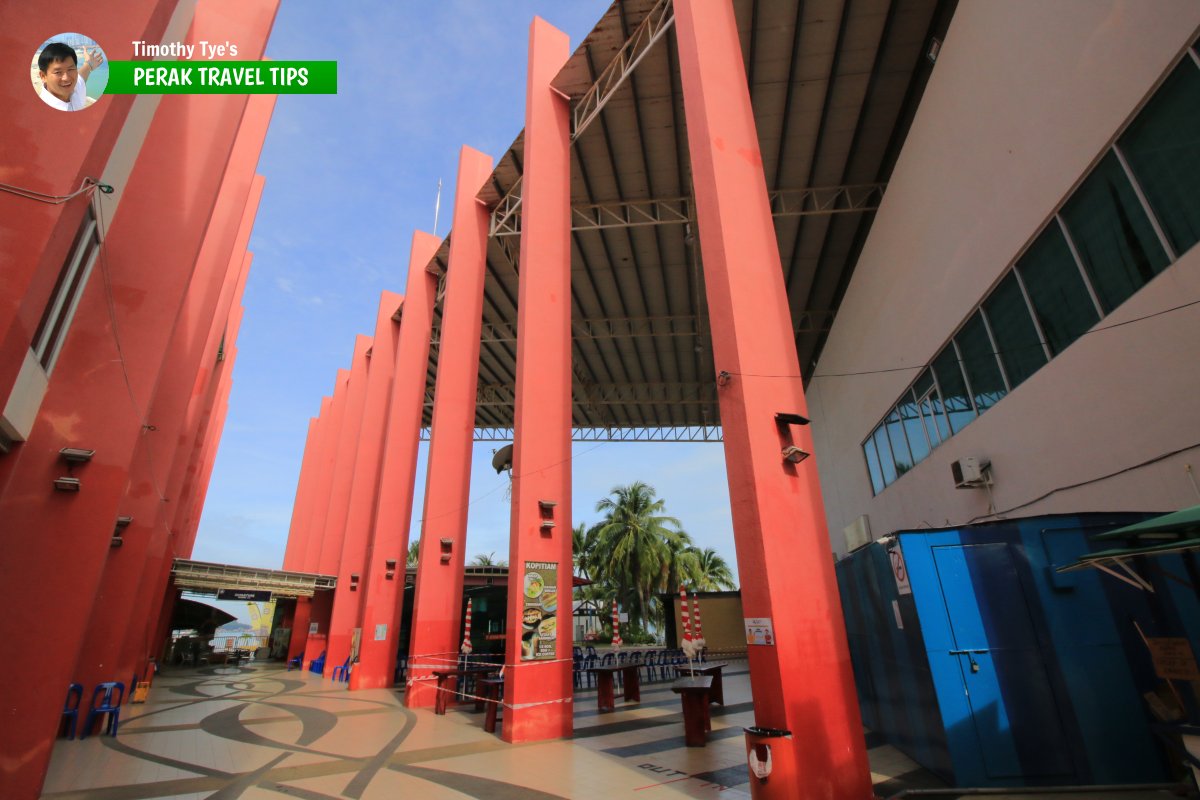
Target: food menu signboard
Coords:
[(539, 620)]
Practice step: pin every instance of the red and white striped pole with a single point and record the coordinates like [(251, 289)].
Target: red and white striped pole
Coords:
[(616, 640), (683, 612), (699, 638), (466, 642)]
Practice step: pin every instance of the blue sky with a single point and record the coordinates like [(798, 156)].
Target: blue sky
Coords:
[(348, 179)]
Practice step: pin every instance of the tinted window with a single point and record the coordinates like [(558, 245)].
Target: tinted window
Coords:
[(886, 464), (1113, 235), (1016, 337), (873, 466), (979, 362), (914, 430), (954, 389), (1162, 146), (1060, 298)]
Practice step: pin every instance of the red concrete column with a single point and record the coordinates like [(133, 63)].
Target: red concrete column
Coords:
[(299, 640), (437, 597), (129, 599), (803, 683), (164, 210), (363, 491), (300, 507), (317, 486), (540, 691), (383, 596), (330, 434), (343, 465), (207, 387), (30, 262)]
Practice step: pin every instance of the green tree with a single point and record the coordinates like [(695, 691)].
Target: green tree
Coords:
[(414, 552), (713, 572), (488, 560), (638, 550)]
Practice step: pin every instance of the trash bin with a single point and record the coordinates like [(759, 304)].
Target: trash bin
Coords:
[(771, 763)]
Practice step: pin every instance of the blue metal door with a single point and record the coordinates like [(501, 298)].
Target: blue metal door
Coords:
[(1013, 711)]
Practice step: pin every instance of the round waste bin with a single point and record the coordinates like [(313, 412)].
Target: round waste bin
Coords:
[(771, 763)]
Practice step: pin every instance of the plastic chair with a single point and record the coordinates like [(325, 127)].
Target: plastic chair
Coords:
[(591, 651), (318, 664), (342, 673), (71, 709), (294, 663), (104, 692)]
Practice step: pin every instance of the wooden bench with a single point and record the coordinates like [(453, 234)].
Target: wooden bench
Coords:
[(694, 693), (710, 668), (490, 689), (445, 676), (604, 685)]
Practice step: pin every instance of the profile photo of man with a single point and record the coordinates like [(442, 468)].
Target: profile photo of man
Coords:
[(62, 79)]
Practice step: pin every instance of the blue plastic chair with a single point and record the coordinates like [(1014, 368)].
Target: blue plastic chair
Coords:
[(342, 673), (71, 707), (294, 663), (105, 692), (318, 664)]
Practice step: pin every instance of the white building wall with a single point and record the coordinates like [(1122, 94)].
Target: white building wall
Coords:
[(1026, 96)]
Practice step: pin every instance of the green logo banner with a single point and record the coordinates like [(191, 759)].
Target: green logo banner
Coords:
[(222, 77)]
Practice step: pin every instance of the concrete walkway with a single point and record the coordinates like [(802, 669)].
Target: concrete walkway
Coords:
[(261, 733)]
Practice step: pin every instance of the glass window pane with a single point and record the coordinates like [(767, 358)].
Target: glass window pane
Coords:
[(954, 389), (979, 362), (873, 466), (935, 428), (931, 408), (1060, 299), (1160, 146), (1113, 234), (895, 430), (1016, 337), (918, 445), (886, 465)]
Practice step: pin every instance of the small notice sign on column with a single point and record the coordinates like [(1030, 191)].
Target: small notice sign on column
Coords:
[(759, 631), (380, 633)]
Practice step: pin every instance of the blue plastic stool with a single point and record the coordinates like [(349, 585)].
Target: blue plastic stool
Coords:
[(71, 709), (104, 693)]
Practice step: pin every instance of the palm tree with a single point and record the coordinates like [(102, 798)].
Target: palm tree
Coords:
[(713, 572), (637, 548), (414, 553), (488, 560)]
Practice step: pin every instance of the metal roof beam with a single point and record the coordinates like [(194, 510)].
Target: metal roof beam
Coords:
[(597, 394), (699, 433), (652, 28), (811, 321), (506, 220)]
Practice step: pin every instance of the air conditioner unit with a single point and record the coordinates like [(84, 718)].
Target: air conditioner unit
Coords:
[(970, 472)]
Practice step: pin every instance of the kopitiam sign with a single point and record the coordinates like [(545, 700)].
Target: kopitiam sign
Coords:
[(539, 615)]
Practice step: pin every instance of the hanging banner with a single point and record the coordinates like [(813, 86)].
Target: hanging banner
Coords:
[(539, 620)]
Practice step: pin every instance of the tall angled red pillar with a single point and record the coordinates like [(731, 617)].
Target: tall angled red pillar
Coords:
[(315, 641), (538, 692), (437, 597), (341, 482), (383, 593), (304, 486), (318, 502), (803, 682), (363, 490)]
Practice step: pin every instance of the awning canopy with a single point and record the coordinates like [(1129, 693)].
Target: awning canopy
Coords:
[(194, 615), (1176, 524), (1177, 532)]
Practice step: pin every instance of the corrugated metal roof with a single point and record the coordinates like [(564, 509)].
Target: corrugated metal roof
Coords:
[(834, 86)]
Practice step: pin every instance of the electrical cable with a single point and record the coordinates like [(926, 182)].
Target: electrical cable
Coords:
[(1121, 471), (110, 302), (56, 199)]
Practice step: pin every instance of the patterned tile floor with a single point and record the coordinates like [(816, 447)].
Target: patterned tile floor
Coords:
[(259, 732)]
